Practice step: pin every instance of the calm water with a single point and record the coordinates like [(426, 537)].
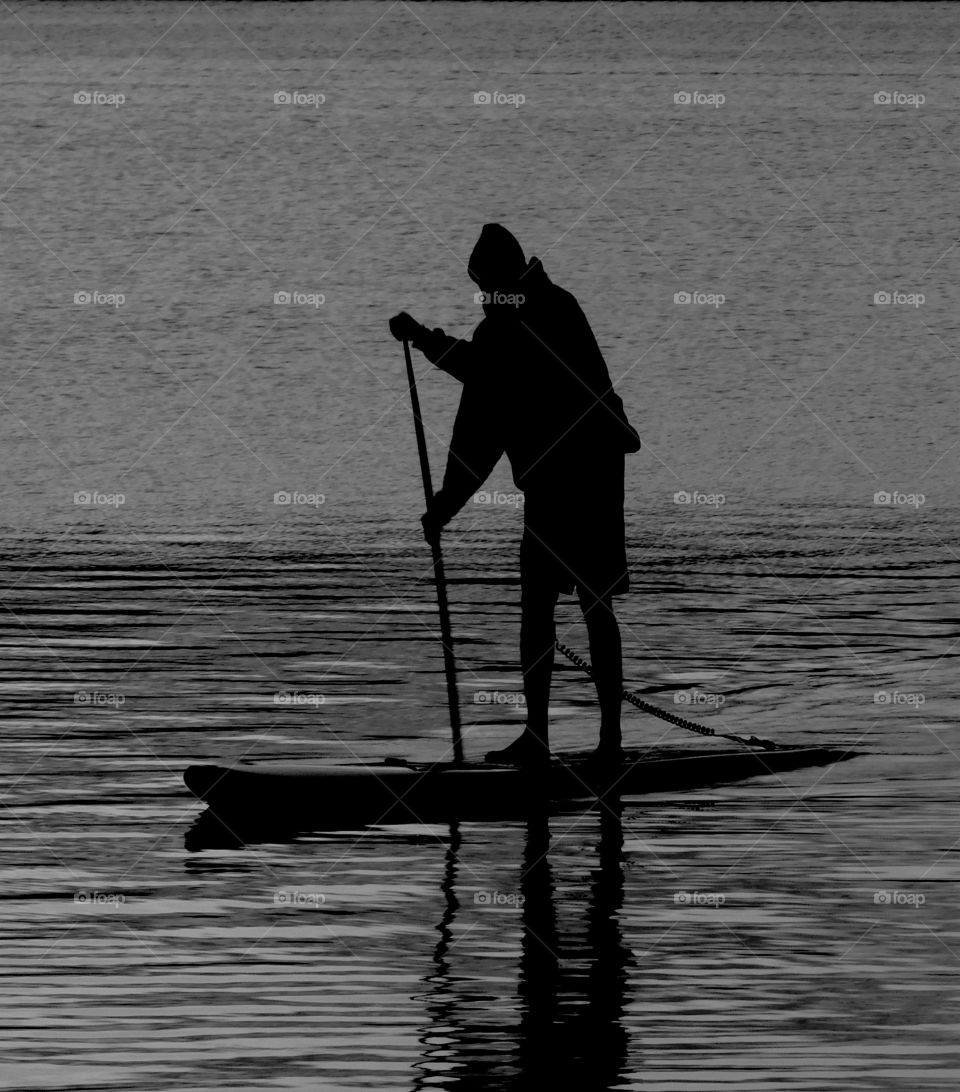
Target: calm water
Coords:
[(790, 933)]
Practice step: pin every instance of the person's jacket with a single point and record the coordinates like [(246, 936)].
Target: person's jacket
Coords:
[(536, 387)]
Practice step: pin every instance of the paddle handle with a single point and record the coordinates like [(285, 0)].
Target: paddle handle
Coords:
[(446, 635)]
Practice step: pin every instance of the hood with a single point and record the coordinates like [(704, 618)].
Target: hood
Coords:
[(497, 260)]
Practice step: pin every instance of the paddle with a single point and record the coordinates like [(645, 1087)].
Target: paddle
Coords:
[(449, 665)]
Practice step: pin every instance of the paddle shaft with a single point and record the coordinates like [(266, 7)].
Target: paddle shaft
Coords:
[(446, 636)]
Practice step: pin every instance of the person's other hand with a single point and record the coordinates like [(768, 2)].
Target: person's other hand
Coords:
[(404, 327), (432, 526)]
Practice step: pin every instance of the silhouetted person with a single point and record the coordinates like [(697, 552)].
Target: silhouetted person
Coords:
[(536, 387)]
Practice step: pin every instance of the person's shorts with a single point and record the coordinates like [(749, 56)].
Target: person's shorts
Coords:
[(574, 539)]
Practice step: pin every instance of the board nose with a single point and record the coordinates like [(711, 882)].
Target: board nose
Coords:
[(201, 779)]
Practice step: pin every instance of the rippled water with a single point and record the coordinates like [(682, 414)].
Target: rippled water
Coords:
[(786, 933), (583, 965)]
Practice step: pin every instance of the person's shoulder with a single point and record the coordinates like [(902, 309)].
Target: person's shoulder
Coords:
[(566, 299), (565, 304), (549, 291)]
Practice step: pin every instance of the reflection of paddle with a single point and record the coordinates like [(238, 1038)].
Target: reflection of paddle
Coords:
[(449, 665), (441, 998)]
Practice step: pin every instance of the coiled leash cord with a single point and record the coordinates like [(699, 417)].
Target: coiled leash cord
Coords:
[(671, 718)]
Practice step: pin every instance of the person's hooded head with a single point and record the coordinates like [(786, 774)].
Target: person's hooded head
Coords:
[(496, 266)]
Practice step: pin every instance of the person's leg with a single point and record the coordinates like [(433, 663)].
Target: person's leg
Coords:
[(538, 635), (538, 600), (606, 656)]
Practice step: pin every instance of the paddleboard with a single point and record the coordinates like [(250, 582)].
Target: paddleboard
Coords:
[(305, 793)]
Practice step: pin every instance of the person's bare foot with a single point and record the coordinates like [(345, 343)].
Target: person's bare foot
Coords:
[(528, 750)]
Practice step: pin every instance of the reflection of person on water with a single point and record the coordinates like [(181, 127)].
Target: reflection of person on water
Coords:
[(574, 979), (567, 1028), (565, 433)]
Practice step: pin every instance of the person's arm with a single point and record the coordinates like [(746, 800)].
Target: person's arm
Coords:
[(475, 448), (460, 358), (456, 356)]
